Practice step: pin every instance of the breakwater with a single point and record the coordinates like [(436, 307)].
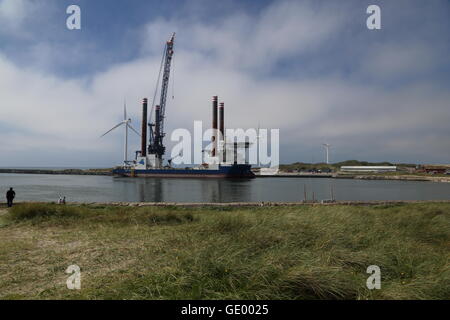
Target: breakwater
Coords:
[(339, 175), (401, 177), (94, 172), (240, 204)]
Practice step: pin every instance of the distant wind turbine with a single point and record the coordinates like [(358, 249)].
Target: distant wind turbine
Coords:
[(258, 136), (327, 149), (127, 122)]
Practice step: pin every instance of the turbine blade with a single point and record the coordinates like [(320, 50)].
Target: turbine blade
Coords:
[(124, 110), (129, 126), (111, 129)]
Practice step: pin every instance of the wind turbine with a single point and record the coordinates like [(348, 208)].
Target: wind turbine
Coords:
[(327, 148), (126, 121), (258, 136)]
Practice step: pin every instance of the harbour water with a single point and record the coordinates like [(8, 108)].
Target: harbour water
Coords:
[(41, 187)]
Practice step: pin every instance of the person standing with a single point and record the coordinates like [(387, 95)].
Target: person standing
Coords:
[(10, 195)]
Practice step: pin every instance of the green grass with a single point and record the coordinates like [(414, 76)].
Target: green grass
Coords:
[(301, 252)]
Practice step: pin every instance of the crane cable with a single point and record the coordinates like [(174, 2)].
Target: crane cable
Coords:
[(157, 84)]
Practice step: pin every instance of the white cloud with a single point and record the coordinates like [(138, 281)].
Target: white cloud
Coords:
[(14, 15), (284, 30), (390, 61), (227, 58), (13, 11)]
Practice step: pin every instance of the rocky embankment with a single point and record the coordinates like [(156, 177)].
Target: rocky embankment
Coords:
[(95, 172), (340, 175), (396, 177)]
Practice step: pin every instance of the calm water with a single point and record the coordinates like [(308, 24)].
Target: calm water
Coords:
[(104, 189)]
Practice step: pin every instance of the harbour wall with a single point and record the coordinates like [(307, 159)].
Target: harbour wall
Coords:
[(92, 172)]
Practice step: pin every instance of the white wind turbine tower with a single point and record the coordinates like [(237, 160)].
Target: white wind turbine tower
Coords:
[(127, 124), (258, 136), (327, 149)]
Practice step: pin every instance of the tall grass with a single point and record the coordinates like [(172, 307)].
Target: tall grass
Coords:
[(31, 211), (304, 252), (36, 212)]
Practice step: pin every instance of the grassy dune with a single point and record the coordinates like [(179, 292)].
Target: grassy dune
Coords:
[(303, 252)]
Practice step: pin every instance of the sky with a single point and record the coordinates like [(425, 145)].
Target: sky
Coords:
[(311, 69)]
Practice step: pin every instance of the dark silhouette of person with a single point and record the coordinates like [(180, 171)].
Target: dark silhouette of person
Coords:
[(10, 195)]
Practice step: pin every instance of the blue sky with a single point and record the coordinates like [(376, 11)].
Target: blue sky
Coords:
[(310, 68)]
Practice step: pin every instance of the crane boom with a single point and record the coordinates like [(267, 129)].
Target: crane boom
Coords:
[(157, 134), (165, 80)]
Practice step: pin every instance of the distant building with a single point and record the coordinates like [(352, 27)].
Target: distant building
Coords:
[(368, 168), (434, 169), (408, 169)]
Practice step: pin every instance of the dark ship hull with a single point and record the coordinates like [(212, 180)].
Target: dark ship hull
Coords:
[(231, 171)]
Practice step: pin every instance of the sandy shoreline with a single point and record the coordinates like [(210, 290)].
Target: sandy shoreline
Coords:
[(239, 204)]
